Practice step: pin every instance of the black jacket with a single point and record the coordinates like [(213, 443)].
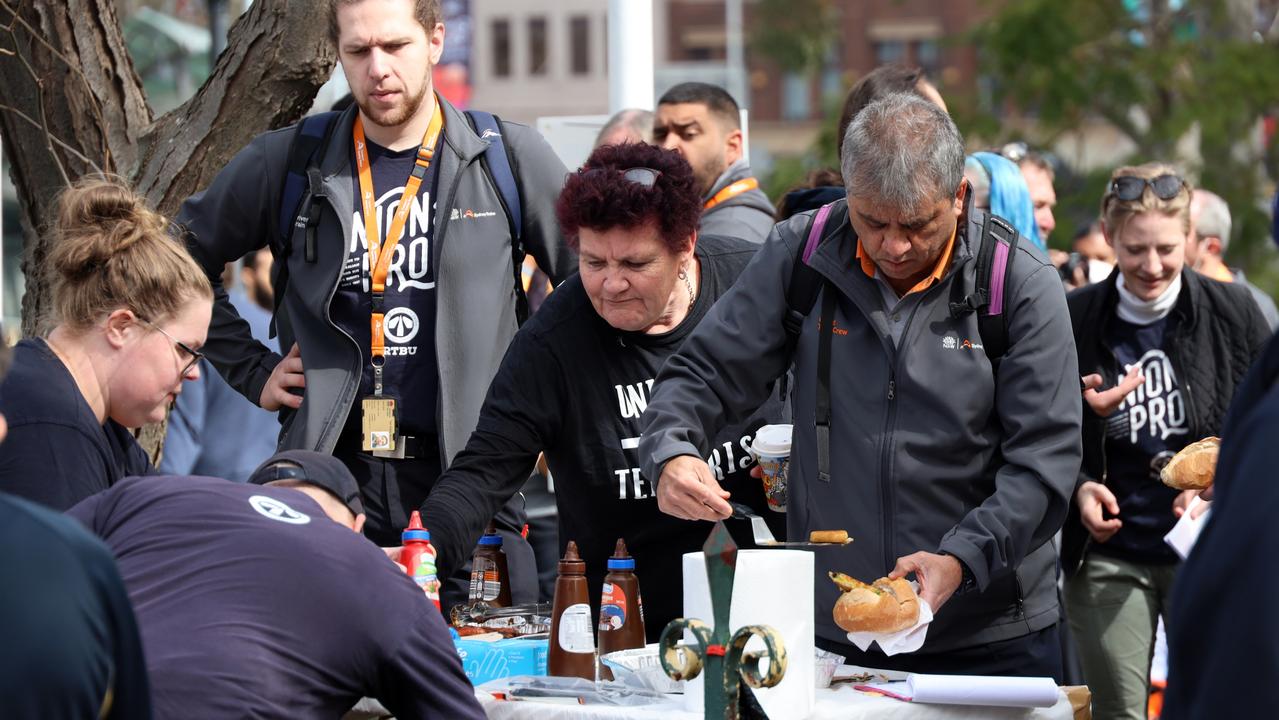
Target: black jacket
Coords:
[(1218, 333)]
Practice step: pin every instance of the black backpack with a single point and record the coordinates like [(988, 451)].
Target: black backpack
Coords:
[(299, 211), (994, 274)]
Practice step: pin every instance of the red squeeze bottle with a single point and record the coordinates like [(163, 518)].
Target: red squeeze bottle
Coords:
[(418, 558)]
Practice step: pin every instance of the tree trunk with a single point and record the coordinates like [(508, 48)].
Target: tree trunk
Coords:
[(71, 103)]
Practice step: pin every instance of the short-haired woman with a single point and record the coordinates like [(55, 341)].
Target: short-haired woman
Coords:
[(1191, 339), (577, 378), (131, 312)]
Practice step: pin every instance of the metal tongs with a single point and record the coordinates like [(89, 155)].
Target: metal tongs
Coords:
[(764, 536)]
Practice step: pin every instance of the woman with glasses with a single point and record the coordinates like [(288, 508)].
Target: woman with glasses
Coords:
[(1175, 345), (130, 310), (577, 379)]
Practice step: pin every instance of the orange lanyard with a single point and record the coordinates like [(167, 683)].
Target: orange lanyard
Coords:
[(732, 191), (380, 253)]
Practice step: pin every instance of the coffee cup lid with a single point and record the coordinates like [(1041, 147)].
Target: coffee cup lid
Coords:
[(773, 440)]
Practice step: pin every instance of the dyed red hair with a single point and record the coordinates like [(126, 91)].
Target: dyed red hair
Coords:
[(602, 201)]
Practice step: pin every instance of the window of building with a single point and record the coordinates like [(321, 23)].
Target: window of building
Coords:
[(890, 51), (833, 72), (928, 55), (796, 99), (537, 44), (501, 48), (579, 31)]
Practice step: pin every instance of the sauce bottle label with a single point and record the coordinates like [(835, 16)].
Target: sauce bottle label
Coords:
[(576, 635), (612, 608), (485, 585)]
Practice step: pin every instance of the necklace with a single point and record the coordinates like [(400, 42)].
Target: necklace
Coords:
[(688, 283)]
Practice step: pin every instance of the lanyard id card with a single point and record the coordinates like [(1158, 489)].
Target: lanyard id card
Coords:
[(378, 423)]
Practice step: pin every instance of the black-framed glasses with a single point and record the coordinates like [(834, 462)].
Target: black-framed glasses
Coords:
[(1130, 187), (642, 176), (196, 355)]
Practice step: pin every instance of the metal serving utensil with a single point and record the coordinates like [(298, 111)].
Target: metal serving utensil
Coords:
[(764, 536)]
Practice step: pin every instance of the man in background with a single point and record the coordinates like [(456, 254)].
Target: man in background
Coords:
[(703, 123), (1210, 226), (214, 430)]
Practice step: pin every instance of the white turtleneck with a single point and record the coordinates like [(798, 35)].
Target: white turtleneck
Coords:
[(1144, 312)]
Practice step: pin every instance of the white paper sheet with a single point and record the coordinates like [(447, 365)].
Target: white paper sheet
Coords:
[(1185, 533), (974, 690)]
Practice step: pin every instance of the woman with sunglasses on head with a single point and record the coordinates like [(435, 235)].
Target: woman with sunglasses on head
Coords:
[(577, 377), (1173, 345), (131, 310)]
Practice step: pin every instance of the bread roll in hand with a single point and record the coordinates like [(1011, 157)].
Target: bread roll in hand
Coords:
[(1192, 468), (887, 606)]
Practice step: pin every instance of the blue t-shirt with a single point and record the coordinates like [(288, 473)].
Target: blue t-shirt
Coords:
[(411, 373), (1141, 437), (252, 602)]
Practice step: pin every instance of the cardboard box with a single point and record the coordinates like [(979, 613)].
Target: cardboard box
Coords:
[(487, 660)]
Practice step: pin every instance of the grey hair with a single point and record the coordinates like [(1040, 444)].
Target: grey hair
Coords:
[(628, 125), (904, 151), (1213, 217)]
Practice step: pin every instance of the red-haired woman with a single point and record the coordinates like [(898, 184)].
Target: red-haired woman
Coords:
[(577, 376)]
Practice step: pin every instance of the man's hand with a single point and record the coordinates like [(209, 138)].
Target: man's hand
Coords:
[(1185, 497), (688, 490), (938, 575), (1105, 402), (1092, 497), (288, 374)]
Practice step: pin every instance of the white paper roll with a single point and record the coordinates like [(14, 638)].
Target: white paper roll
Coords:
[(771, 587)]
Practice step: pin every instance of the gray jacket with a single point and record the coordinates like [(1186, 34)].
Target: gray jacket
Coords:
[(748, 216), (931, 449), (1264, 301), (475, 318)]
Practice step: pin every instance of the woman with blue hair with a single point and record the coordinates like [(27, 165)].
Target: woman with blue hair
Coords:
[(998, 186)]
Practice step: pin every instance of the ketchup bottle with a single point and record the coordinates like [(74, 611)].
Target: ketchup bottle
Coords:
[(418, 557)]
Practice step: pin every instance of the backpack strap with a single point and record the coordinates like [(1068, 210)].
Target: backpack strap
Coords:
[(988, 298), (805, 283), (499, 164), (310, 135)]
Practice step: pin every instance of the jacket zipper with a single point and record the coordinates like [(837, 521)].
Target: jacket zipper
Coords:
[(348, 397)]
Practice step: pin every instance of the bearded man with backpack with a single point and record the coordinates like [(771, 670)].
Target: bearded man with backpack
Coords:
[(399, 227), (936, 398)]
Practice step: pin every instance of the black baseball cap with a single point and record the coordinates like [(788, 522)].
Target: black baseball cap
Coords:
[(315, 468)]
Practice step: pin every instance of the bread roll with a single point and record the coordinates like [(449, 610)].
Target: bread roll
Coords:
[(1192, 468), (887, 606)]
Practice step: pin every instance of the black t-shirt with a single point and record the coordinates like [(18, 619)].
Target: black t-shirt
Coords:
[(1141, 437), (71, 647), (410, 374), (57, 453), (252, 602), (575, 387)]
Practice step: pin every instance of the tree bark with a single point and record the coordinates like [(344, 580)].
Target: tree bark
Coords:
[(71, 103)]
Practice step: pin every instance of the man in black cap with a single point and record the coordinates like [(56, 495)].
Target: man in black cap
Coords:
[(259, 599)]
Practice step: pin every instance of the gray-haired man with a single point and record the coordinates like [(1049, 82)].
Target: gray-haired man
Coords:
[(1210, 226), (940, 464)]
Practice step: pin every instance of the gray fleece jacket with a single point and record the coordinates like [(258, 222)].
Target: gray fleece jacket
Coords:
[(748, 216), (475, 318), (931, 448)]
